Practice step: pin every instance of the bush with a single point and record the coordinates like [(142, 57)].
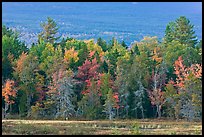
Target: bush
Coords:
[(135, 129), (116, 131)]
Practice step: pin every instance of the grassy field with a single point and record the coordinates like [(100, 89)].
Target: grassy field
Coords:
[(105, 127)]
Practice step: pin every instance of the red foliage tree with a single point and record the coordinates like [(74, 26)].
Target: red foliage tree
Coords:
[(88, 70), (116, 97), (88, 75), (182, 72), (156, 95)]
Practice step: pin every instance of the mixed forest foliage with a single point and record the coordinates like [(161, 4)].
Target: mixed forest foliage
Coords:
[(82, 79)]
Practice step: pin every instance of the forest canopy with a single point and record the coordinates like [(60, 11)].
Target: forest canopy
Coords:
[(82, 79)]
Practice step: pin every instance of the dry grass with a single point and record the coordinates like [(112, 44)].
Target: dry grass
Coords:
[(103, 127)]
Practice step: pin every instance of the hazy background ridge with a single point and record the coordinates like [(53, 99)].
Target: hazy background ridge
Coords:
[(126, 21)]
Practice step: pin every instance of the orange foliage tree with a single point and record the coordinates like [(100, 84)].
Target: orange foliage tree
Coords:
[(9, 93), (182, 72), (187, 98)]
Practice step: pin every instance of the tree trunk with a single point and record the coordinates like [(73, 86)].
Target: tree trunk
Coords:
[(110, 113), (28, 105), (10, 108), (158, 111), (177, 110), (117, 112), (110, 117), (142, 113), (5, 109)]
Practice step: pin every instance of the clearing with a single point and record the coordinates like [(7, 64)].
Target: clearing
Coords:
[(101, 127)]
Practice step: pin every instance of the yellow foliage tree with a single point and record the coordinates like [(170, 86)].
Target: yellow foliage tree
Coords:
[(71, 55)]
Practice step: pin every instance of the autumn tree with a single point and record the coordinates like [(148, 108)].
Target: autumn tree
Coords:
[(94, 80), (147, 45), (71, 57), (90, 104), (85, 72), (157, 98), (156, 94), (61, 92), (25, 69), (88, 75), (11, 47), (183, 95), (9, 92), (88, 70), (188, 83), (52, 60), (175, 49), (95, 50)]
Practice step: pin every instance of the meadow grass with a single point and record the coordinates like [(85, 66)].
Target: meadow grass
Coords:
[(101, 127)]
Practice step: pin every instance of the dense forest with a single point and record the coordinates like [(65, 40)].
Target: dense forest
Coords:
[(66, 78)]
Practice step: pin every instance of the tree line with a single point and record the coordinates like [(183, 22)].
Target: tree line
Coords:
[(81, 79)]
